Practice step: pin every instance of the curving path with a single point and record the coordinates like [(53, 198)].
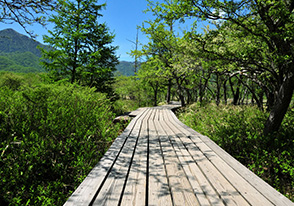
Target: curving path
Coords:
[(158, 160)]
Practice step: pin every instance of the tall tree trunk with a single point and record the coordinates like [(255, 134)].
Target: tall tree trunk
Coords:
[(188, 92), (270, 96), (189, 96), (168, 95), (180, 91), (280, 107), (225, 92), (155, 90), (260, 100), (218, 87), (236, 94)]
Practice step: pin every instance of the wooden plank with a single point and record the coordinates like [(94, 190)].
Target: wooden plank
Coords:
[(231, 169), (135, 190), (225, 189), (137, 112), (203, 190), (159, 192), (181, 190), (253, 196), (267, 191), (86, 191), (113, 186), (111, 191)]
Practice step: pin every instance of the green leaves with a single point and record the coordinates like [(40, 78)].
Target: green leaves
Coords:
[(50, 138), (81, 46)]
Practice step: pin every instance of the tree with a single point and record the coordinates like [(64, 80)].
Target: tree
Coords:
[(25, 12), (81, 50), (135, 52), (163, 49), (150, 74), (266, 23), (159, 49)]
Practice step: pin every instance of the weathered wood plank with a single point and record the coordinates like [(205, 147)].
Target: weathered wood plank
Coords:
[(227, 192), (135, 190), (159, 191), (254, 189), (111, 191), (181, 190), (203, 190)]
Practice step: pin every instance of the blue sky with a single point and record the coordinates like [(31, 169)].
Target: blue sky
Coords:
[(122, 18)]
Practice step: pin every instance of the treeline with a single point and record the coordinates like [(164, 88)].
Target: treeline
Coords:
[(248, 53), (24, 62)]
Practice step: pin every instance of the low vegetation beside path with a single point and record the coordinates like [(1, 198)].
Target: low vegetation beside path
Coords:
[(239, 131), (51, 135)]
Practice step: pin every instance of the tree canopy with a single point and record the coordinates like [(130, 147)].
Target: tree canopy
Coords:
[(81, 50), (250, 46)]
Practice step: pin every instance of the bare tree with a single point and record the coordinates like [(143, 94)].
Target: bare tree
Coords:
[(25, 12)]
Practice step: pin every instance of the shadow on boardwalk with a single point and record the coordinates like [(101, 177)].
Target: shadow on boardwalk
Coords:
[(158, 160)]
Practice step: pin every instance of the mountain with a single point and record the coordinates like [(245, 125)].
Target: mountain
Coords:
[(12, 41), (125, 68), (19, 53)]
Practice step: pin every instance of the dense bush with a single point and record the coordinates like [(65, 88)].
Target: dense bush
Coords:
[(238, 130), (134, 93), (50, 138)]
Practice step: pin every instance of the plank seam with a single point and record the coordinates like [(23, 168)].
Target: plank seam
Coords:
[(110, 168), (163, 158), (175, 143), (194, 133)]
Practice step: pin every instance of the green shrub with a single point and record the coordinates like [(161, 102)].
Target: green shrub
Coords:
[(123, 106), (50, 138)]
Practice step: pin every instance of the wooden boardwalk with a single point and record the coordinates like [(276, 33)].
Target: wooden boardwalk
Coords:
[(158, 160)]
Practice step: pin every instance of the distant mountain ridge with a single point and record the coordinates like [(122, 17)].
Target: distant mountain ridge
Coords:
[(126, 68), (12, 41), (19, 53)]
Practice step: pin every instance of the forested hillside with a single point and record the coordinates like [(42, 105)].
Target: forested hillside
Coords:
[(126, 68), (19, 53), (12, 42)]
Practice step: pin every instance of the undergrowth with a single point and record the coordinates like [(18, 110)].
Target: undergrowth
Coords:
[(238, 130), (51, 135)]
